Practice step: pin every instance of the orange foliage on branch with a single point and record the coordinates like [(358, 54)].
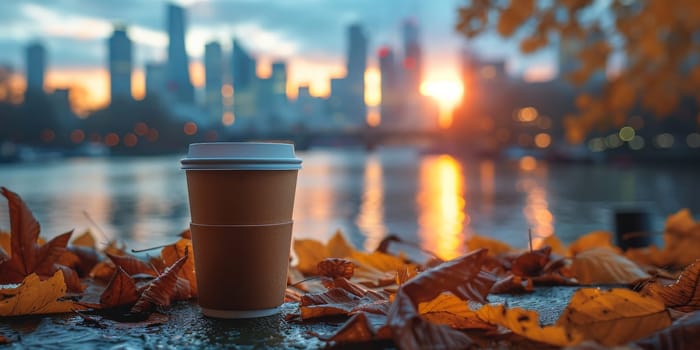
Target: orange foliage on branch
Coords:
[(657, 37)]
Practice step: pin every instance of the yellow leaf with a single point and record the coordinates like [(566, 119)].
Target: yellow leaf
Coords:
[(604, 266), (338, 247), (526, 323), (452, 311), (613, 317), (595, 239), (34, 296), (681, 240), (494, 246)]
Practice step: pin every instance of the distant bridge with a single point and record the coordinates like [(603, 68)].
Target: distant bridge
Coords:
[(369, 138)]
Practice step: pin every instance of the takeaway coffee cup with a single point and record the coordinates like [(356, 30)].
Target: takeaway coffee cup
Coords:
[(241, 197)]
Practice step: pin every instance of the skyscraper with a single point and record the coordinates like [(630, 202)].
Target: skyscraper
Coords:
[(355, 79), (243, 67), (390, 108), (156, 79), (245, 86), (36, 67), (120, 63), (213, 79), (179, 84), (412, 57)]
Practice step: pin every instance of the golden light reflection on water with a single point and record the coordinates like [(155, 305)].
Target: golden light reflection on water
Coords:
[(314, 205), (441, 206), (537, 214), (487, 185), (370, 219)]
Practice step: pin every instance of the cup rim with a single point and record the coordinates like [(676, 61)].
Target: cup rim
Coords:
[(243, 225)]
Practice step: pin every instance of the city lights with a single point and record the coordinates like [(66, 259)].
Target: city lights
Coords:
[(527, 114), (664, 140), (626, 133)]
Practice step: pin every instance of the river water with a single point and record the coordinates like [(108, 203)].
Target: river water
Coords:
[(435, 200)]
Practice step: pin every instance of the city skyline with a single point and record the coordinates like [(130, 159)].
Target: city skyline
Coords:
[(314, 67)]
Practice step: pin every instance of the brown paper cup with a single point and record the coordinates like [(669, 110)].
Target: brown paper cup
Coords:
[(241, 270), (241, 197)]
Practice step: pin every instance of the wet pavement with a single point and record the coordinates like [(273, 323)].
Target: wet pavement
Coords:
[(187, 328)]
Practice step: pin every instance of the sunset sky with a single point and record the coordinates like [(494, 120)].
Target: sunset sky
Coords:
[(309, 34)]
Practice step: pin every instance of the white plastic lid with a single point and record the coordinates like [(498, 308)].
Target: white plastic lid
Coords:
[(241, 156)]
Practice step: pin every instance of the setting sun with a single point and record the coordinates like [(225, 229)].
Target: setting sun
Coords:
[(447, 93)]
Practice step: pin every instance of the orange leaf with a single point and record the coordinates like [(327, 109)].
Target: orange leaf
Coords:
[(605, 266), (132, 265), (121, 290), (161, 290)]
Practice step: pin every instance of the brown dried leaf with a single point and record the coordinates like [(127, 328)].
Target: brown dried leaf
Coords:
[(132, 265), (29, 255), (174, 252), (683, 295), (24, 234), (532, 263), (513, 285), (335, 267), (161, 290), (103, 271), (356, 329), (411, 332), (335, 301), (462, 276), (605, 266), (121, 290), (681, 335)]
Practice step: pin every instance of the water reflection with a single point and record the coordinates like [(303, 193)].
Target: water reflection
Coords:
[(371, 217), (436, 200), (440, 201)]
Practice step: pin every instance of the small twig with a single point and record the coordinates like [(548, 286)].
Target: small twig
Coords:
[(97, 227), (148, 249), (305, 280), (529, 234)]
